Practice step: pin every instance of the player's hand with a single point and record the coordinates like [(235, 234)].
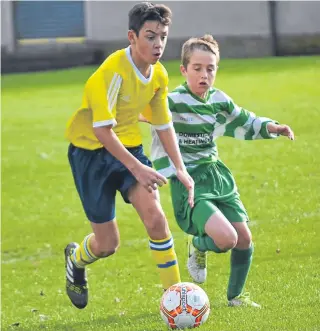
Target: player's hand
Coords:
[(188, 182), (285, 130), (149, 178), (141, 118)]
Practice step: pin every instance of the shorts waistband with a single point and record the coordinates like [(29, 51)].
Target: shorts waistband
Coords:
[(131, 149)]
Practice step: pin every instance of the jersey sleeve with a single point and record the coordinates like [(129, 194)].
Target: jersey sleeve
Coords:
[(245, 125), (161, 118), (102, 91)]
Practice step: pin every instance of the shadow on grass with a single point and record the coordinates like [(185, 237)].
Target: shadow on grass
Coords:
[(108, 323)]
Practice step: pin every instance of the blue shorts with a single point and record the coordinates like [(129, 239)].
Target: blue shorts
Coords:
[(98, 176)]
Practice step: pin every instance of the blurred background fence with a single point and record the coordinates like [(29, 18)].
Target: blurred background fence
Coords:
[(37, 35)]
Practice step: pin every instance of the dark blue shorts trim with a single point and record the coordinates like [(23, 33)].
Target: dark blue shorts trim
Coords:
[(98, 176)]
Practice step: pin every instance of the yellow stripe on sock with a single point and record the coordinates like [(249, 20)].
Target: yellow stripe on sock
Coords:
[(86, 245), (83, 254)]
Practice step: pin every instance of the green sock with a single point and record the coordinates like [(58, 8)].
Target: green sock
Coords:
[(240, 265), (205, 243)]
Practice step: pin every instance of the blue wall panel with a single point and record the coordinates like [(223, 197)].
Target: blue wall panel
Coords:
[(49, 19)]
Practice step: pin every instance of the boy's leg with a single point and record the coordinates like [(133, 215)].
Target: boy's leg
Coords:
[(215, 234), (241, 254), (103, 242), (160, 240), (97, 195)]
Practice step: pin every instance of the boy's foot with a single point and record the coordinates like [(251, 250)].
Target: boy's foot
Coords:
[(197, 263), (244, 301), (76, 282)]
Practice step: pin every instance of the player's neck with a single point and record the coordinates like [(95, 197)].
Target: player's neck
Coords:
[(203, 95), (143, 67)]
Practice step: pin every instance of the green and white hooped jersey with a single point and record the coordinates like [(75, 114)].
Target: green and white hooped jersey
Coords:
[(199, 122)]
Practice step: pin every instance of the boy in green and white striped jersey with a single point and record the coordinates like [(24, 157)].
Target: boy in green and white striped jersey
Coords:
[(201, 114)]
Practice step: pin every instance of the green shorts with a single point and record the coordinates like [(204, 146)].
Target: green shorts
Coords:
[(215, 189)]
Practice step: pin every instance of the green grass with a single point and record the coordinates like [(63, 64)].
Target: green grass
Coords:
[(279, 183)]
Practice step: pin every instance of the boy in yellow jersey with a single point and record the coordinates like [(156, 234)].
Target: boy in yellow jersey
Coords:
[(106, 154)]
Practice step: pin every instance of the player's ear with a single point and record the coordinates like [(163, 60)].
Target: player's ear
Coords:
[(132, 37), (183, 70)]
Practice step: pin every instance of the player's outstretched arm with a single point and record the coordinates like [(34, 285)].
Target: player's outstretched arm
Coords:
[(170, 145), (146, 176), (281, 129)]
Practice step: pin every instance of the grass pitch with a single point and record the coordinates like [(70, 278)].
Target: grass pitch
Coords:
[(279, 182)]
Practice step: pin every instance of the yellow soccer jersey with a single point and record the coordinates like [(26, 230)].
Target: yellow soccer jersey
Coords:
[(115, 94)]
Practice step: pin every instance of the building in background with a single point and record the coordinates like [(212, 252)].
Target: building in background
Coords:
[(38, 35)]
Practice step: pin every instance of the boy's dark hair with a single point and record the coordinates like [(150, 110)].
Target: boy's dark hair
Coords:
[(147, 11)]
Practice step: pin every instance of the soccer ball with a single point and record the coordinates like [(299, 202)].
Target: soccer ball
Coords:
[(184, 305)]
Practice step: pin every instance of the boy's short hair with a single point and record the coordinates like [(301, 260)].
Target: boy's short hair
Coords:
[(205, 43), (147, 11)]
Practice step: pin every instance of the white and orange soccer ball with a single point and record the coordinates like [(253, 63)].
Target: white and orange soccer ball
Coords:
[(184, 305)]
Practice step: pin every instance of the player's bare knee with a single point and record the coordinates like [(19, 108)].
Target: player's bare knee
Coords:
[(107, 252), (228, 242), (244, 240), (156, 224), (227, 245), (247, 239)]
